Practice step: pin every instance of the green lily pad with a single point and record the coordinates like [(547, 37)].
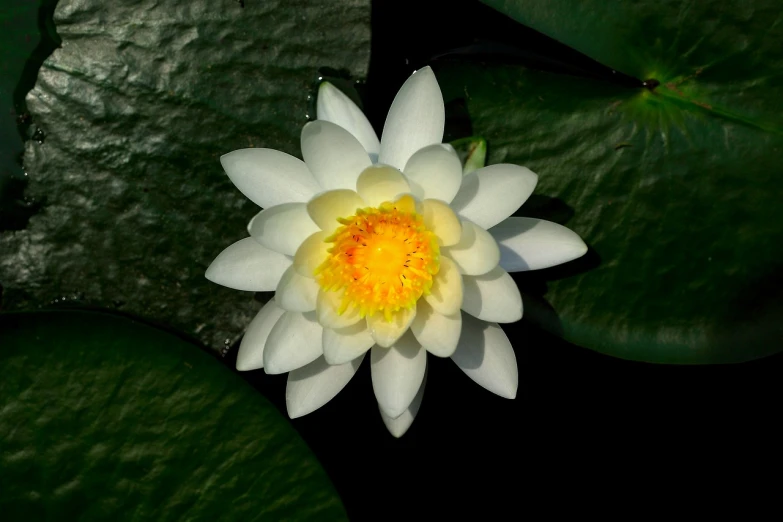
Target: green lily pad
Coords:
[(105, 418), (135, 109), (676, 189)]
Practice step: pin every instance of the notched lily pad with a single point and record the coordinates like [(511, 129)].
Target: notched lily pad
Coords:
[(105, 418), (137, 107)]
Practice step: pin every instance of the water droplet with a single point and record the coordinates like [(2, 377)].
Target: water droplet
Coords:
[(39, 136)]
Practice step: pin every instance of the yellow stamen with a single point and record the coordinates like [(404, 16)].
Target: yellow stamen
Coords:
[(384, 258)]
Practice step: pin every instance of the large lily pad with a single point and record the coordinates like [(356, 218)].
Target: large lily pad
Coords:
[(105, 418), (675, 189), (135, 109)]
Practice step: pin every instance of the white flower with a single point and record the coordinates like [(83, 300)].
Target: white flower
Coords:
[(383, 246)]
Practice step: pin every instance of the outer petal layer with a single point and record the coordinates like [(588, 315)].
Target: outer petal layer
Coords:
[(269, 177), (490, 195), (336, 107), (294, 341), (415, 120), (485, 355), (397, 427), (312, 386), (493, 297), (251, 349), (397, 373), (246, 265), (532, 244), (333, 155)]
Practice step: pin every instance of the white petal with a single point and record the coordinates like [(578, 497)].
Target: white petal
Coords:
[(269, 177), (312, 386), (492, 297), (386, 333), (532, 244), (476, 253), (282, 228), (333, 155), (336, 107), (381, 183), (295, 292), (326, 208), (441, 221), (397, 374), (485, 355), (490, 195), (397, 427), (251, 349), (310, 254), (435, 172), (246, 265), (346, 344), (446, 294), (437, 333), (327, 307), (415, 119), (294, 341)]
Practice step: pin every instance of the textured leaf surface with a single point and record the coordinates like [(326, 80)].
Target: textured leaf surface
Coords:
[(676, 191), (136, 108), (104, 418)]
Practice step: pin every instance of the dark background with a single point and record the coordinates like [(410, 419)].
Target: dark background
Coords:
[(585, 430)]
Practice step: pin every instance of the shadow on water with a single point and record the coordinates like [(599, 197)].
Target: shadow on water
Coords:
[(16, 209)]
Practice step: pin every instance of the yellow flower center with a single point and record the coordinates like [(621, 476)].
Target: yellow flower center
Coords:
[(383, 258)]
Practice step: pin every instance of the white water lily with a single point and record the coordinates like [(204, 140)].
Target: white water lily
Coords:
[(383, 246)]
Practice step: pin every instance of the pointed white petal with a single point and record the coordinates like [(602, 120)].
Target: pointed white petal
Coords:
[(346, 344), (333, 155), (336, 107), (446, 294), (310, 254), (312, 386), (415, 119), (397, 374), (492, 297), (476, 253), (326, 208), (386, 333), (490, 195), (397, 427), (435, 172), (437, 333), (381, 183), (485, 355), (269, 177), (246, 265), (327, 307), (294, 341), (296, 293), (282, 228), (441, 221), (251, 349), (532, 244)]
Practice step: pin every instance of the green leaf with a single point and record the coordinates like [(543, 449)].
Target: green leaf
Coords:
[(137, 107), (676, 190), (105, 418)]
